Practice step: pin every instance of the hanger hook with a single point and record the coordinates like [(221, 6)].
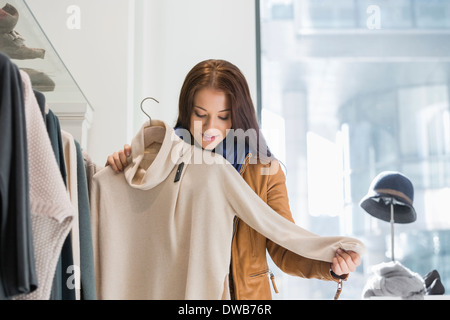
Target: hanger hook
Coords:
[(142, 102)]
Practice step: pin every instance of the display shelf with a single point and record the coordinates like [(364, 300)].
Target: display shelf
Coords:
[(25, 42)]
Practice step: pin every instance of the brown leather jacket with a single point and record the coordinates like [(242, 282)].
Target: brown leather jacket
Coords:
[(249, 272)]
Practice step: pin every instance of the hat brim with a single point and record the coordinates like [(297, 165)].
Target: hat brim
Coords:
[(379, 209)]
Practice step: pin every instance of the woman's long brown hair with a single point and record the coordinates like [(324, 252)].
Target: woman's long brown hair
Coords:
[(226, 77)]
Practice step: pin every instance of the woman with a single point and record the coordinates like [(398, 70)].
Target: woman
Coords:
[(214, 99)]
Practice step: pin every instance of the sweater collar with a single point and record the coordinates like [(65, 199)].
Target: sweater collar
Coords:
[(147, 170)]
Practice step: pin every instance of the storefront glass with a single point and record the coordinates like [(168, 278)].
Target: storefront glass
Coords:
[(349, 89)]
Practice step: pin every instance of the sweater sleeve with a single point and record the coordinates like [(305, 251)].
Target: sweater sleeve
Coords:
[(258, 215), (288, 261)]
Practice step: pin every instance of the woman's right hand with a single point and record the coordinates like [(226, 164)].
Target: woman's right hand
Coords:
[(118, 160)]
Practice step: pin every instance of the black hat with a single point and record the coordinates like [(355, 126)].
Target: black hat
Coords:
[(390, 185)]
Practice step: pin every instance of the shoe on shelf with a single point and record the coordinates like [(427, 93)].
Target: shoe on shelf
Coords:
[(8, 18)]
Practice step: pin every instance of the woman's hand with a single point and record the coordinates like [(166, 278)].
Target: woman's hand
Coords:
[(345, 262), (118, 160)]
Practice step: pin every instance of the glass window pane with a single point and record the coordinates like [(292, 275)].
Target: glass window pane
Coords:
[(351, 105)]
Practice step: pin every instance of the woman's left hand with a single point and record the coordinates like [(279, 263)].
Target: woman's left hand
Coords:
[(345, 262)]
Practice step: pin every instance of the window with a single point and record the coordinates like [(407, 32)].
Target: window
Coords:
[(349, 89)]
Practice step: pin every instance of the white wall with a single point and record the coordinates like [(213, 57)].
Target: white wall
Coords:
[(128, 50), (182, 33)]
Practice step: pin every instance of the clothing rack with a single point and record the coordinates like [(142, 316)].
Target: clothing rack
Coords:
[(46, 244)]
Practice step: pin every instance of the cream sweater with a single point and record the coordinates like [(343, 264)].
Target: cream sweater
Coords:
[(70, 161), (155, 238)]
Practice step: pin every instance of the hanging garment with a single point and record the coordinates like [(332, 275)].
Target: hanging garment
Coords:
[(51, 210), (54, 133), (87, 276), (60, 289), (163, 228), (70, 160), (79, 275), (91, 169), (17, 265), (40, 98)]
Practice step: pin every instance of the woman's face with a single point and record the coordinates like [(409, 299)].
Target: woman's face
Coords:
[(211, 117)]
